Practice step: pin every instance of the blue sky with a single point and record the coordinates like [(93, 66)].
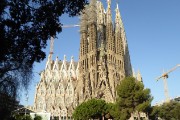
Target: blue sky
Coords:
[(153, 34)]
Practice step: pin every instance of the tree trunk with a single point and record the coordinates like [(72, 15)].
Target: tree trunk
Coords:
[(139, 116)]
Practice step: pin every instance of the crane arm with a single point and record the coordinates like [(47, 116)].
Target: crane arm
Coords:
[(166, 73), (69, 26), (52, 39), (165, 76)]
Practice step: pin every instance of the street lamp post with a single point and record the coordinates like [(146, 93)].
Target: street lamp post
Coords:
[(26, 102)]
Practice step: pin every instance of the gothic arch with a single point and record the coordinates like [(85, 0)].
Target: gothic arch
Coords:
[(60, 90), (59, 101)]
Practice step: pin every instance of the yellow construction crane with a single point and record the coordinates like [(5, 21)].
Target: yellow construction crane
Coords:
[(164, 76), (51, 47), (69, 26), (52, 39)]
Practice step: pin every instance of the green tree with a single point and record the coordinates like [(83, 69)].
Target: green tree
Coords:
[(111, 111), (154, 111), (25, 27), (132, 97), (169, 111), (37, 117), (25, 117), (22, 117), (91, 109)]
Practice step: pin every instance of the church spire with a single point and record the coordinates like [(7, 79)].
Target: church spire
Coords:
[(109, 16), (64, 65), (139, 77), (117, 19), (120, 27), (92, 12), (109, 30), (83, 31), (92, 25), (134, 73), (83, 23), (100, 13), (118, 40)]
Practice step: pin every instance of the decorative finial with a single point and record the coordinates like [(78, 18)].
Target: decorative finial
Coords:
[(117, 6), (109, 3), (139, 77), (64, 57), (56, 57), (134, 74)]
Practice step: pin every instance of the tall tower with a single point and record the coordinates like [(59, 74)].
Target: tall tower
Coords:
[(104, 57)]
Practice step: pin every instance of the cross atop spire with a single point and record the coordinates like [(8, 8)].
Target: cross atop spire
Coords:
[(109, 4), (117, 6), (117, 2)]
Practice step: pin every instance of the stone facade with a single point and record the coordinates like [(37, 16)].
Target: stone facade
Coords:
[(55, 91), (103, 62), (104, 57)]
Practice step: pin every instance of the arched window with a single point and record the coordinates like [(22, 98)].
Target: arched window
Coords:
[(49, 103), (49, 91), (42, 92), (39, 104), (68, 101), (60, 90), (63, 75), (69, 89), (59, 100)]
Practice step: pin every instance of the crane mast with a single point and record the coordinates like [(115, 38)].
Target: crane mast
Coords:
[(164, 76), (51, 47), (52, 39)]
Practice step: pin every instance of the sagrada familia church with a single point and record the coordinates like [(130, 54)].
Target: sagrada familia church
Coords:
[(104, 61)]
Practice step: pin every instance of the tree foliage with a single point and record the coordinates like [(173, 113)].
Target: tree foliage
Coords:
[(111, 110), (132, 97), (21, 117), (167, 111), (153, 114), (37, 117), (90, 109), (25, 27), (24, 117)]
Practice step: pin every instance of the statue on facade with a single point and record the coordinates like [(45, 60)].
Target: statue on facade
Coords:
[(102, 52)]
